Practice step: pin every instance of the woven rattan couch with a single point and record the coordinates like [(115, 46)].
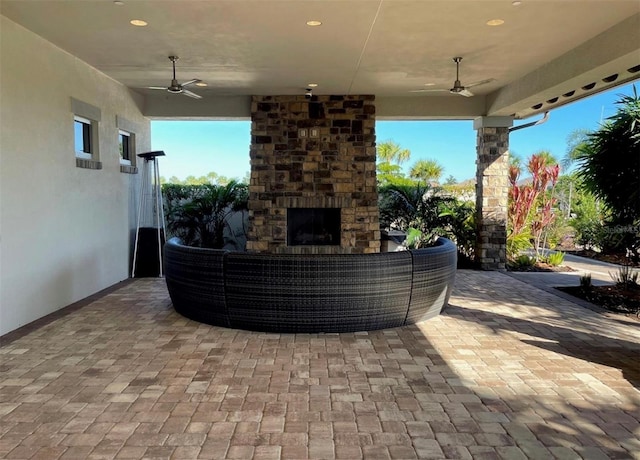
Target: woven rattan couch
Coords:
[(309, 293)]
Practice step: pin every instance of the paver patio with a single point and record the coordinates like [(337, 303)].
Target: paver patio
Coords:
[(508, 371)]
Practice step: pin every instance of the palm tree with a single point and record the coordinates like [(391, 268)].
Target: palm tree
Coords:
[(575, 141), (608, 162), (546, 158), (427, 171), (390, 152)]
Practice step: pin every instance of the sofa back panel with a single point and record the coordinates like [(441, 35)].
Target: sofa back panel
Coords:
[(434, 271), (330, 293), (195, 280)]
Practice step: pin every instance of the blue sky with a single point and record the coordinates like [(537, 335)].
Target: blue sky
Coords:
[(198, 147)]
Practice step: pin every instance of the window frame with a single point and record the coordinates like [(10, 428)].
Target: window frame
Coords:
[(131, 149), (85, 132)]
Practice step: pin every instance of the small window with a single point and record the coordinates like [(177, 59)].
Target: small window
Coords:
[(126, 144), (83, 137)]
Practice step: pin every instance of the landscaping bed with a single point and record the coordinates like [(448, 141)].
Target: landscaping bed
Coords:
[(613, 298), (618, 259), (540, 267)]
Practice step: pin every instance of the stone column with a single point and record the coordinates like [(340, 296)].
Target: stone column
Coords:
[(492, 188)]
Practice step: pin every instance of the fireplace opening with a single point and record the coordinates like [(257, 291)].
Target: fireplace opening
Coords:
[(313, 226)]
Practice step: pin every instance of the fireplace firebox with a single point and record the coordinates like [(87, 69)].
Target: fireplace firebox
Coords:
[(313, 226)]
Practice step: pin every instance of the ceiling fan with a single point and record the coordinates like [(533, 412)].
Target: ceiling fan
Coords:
[(175, 87), (457, 86)]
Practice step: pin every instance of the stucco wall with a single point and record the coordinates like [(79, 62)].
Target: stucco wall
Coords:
[(65, 232)]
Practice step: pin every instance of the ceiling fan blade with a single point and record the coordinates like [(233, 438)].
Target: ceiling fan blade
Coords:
[(157, 87), (465, 92), (478, 83), (191, 82), (427, 90), (186, 92)]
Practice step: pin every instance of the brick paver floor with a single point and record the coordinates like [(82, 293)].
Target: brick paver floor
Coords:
[(508, 371)]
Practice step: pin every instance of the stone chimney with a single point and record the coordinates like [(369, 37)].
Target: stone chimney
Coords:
[(313, 162)]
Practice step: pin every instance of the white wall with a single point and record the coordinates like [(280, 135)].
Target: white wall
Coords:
[(64, 231)]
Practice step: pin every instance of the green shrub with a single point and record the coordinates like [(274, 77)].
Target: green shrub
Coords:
[(585, 281), (425, 212), (524, 261), (588, 221), (417, 239), (626, 277), (518, 243), (555, 258), (198, 214)]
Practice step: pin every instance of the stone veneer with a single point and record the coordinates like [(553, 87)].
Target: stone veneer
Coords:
[(492, 197), (314, 152)]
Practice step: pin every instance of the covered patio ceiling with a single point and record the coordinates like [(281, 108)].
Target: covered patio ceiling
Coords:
[(546, 54)]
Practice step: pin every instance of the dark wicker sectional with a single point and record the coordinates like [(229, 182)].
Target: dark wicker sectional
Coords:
[(309, 293)]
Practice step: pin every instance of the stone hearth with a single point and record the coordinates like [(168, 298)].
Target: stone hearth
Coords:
[(313, 153)]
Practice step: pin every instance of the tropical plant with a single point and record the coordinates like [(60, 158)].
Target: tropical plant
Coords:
[(425, 213), (391, 174), (517, 242), (575, 141), (608, 161), (416, 239), (585, 282), (210, 178), (546, 158), (461, 228), (390, 152), (587, 221), (198, 214), (426, 171), (555, 258), (389, 158), (531, 206), (523, 261), (418, 206), (626, 277), (545, 214)]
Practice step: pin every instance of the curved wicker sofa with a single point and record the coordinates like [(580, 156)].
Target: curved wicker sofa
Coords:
[(309, 293)]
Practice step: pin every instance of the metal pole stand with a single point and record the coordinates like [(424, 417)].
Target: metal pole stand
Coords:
[(150, 202)]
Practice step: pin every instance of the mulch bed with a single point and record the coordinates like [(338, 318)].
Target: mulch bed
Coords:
[(619, 259), (613, 298), (541, 267)]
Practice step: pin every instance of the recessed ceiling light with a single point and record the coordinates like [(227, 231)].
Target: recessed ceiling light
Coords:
[(314, 23), (138, 22), (495, 22), (429, 84), (516, 3), (118, 2), (312, 85), (201, 83)]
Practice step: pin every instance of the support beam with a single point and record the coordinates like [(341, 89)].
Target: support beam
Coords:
[(492, 187)]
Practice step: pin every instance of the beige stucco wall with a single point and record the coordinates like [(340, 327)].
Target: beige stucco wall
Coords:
[(65, 232)]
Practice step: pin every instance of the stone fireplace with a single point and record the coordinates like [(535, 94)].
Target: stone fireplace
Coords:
[(313, 226), (313, 175)]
